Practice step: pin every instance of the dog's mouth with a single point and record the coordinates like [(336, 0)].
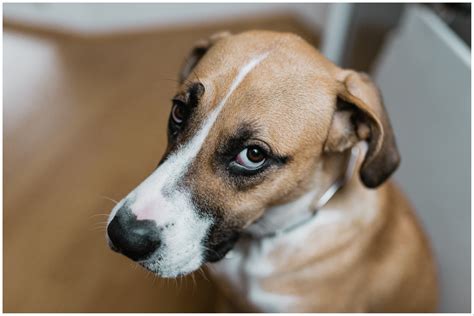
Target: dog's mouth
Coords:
[(175, 247), (184, 263), (220, 249), (189, 264)]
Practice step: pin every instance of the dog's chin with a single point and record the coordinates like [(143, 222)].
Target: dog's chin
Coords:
[(171, 270)]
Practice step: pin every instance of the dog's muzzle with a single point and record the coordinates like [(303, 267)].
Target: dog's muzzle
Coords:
[(136, 239)]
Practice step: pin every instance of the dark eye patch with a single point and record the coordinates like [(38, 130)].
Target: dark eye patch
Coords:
[(187, 100), (195, 92), (231, 145), (192, 94)]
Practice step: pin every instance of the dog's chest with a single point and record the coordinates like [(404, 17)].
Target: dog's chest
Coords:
[(245, 270)]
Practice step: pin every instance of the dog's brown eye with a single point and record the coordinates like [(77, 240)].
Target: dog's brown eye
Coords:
[(251, 158), (178, 113), (255, 155)]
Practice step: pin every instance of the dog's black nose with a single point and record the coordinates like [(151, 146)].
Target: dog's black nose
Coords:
[(131, 237)]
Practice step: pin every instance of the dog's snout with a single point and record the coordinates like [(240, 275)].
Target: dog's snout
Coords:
[(136, 239)]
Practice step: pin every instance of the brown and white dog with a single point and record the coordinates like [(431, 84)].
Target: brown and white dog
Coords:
[(263, 132)]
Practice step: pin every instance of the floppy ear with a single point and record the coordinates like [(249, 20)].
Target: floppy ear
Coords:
[(360, 115), (200, 48)]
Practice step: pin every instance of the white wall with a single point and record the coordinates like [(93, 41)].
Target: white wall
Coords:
[(93, 18)]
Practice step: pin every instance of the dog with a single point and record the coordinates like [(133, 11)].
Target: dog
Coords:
[(275, 177)]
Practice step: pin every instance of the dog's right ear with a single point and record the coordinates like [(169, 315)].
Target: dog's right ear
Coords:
[(200, 48)]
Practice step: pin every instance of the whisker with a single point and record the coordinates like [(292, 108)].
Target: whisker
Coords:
[(102, 229), (203, 273), (99, 229), (101, 222), (195, 74), (99, 225), (109, 198), (95, 215), (194, 281), (209, 249)]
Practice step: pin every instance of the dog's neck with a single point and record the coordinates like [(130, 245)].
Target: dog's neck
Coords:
[(289, 216)]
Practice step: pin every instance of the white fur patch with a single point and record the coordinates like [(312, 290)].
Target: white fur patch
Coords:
[(248, 266), (159, 199)]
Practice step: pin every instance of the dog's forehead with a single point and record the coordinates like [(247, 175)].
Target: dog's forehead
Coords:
[(289, 92), (287, 48)]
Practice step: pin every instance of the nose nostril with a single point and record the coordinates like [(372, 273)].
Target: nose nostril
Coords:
[(135, 239)]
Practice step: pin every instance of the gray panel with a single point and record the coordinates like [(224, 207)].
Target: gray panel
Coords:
[(424, 74)]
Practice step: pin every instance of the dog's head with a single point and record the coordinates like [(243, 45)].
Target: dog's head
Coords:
[(257, 119)]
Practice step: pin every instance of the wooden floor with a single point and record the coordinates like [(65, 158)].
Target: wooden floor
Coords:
[(85, 121)]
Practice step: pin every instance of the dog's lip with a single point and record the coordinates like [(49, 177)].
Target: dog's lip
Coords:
[(221, 249), (112, 246)]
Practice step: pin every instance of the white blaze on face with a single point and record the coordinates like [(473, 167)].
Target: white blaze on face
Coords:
[(159, 198)]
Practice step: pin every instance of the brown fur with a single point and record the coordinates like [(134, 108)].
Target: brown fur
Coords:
[(377, 258)]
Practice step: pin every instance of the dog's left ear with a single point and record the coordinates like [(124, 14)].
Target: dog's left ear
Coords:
[(360, 115), (200, 48)]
